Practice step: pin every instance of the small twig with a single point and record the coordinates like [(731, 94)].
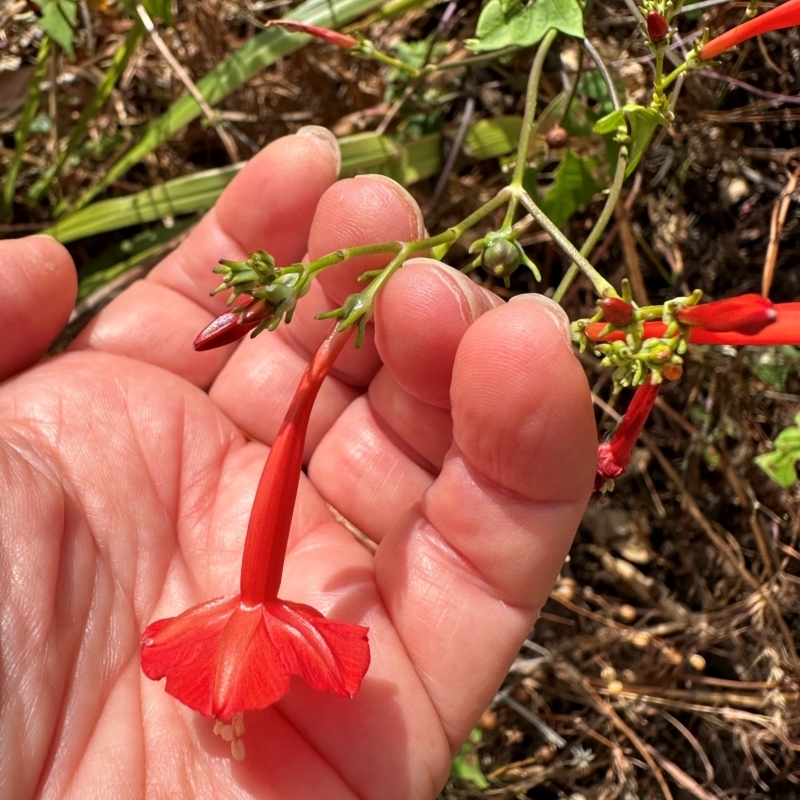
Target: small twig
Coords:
[(631, 257), (183, 76), (549, 734), (358, 535), (605, 708), (777, 221)]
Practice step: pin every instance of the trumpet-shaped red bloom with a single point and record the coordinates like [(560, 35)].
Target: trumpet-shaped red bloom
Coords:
[(239, 652), (784, 330), (786, 15), (614, 455)]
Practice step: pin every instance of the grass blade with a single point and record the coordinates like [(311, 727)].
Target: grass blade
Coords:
[(23, 129), (260, 52), (120, 61)]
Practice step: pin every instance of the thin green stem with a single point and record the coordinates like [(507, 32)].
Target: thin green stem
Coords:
[(528, 119), (599, 226), (110, 79), (667, 81), (471, 60), (601, 285), (23, 129)]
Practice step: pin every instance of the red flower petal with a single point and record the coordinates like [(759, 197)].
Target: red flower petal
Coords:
[(784, 16), (748, 313), (223, 657), (785, 330), (614, 455)]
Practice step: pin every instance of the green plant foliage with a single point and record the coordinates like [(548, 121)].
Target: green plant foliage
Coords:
[(643, 122), (774, 365), (780, 464), (58, 21), (160, 9), (574, 186), (505, 23), (466, 766), (259, 53)]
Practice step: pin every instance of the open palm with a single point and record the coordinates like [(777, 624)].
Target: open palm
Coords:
[(459, 439)]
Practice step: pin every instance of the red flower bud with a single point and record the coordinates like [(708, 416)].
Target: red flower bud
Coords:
[(783, 16), (785, 330), (225, 329), (747, 314), (342, 40), (656, 27), (616, 311)]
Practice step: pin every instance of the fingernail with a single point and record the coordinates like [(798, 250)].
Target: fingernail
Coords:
[(320, 134), (553, 310), (400, 191), (43, 236)]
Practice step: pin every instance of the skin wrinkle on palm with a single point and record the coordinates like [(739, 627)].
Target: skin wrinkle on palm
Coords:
[(409, 704)]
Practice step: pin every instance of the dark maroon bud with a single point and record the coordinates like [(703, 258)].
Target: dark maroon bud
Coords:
[(616, 311), (656, 27), (223, 330)]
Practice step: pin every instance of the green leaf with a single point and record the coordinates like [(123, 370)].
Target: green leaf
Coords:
[(780, 463), (610, 122), (774, 365), (490, 138), (466, 765), (160, 9), (505, 23), (58, 21), (643, 122), (574, 186)]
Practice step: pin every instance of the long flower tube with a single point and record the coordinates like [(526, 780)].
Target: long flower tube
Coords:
[(784, 330), (614, 455), (239, 652), (786, 15)]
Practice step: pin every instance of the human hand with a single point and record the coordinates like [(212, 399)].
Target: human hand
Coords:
[(460, 439)]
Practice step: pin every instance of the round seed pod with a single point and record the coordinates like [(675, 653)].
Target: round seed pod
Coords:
[(501, 258), (556, 137)]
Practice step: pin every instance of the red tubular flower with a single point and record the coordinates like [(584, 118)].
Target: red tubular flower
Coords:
[(342, 40), (785, 330), (783, 16), (747, 314), (614, 455), (239, 652)]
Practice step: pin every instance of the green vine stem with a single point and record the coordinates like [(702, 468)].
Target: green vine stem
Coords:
[(601, 285), (528, 119), (599, 226)]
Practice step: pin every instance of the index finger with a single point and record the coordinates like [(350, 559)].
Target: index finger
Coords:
[(269, 205)]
